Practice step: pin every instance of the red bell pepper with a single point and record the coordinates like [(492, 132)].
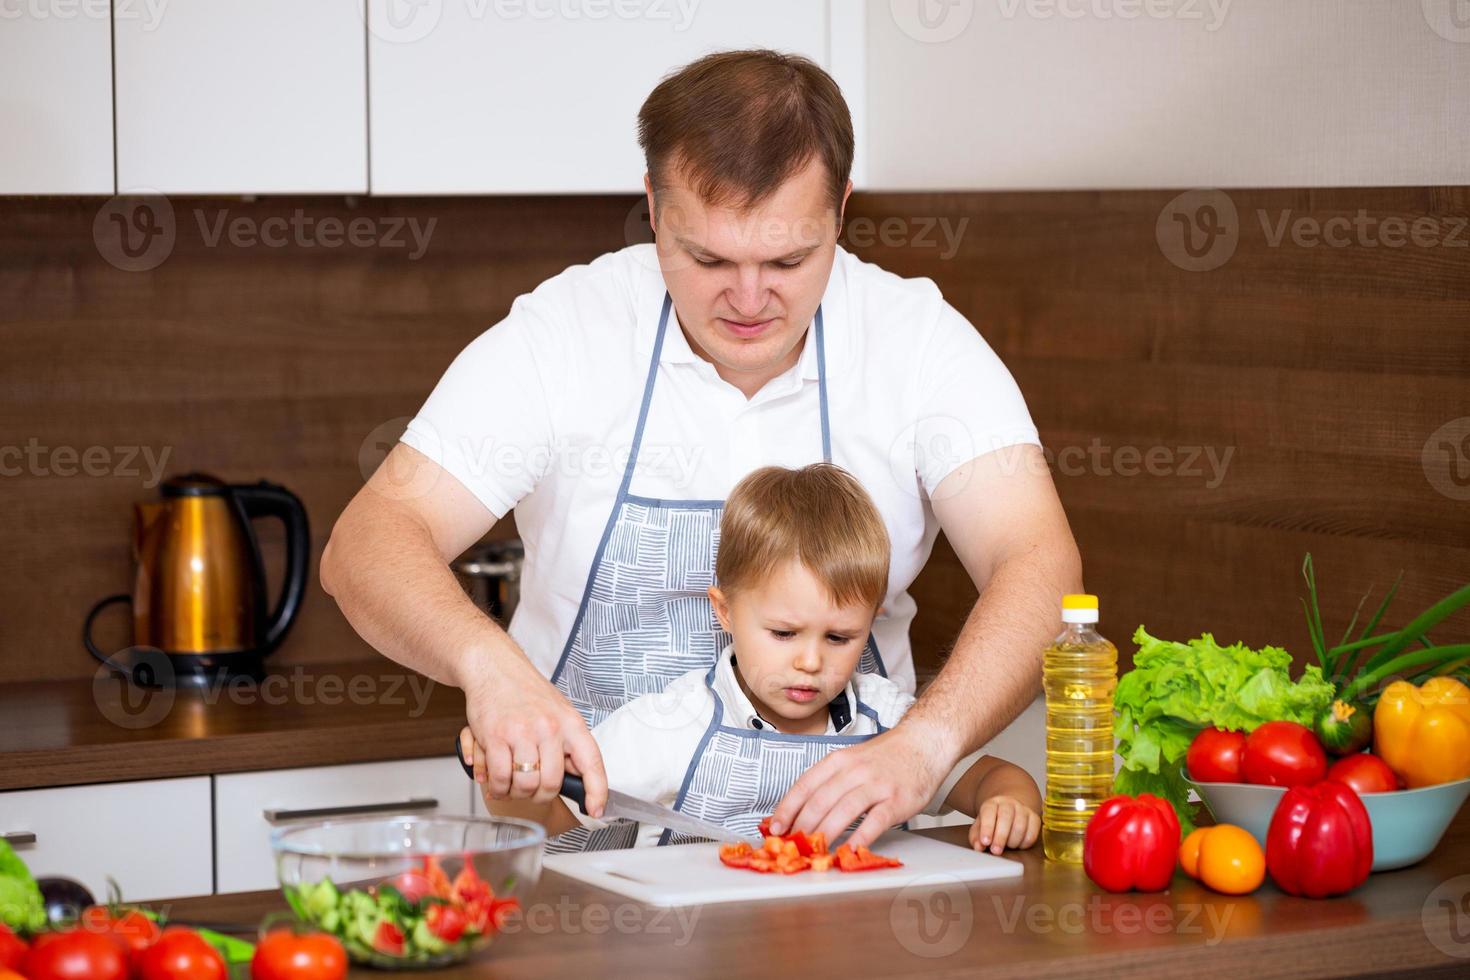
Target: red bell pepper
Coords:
[(1320, 842), (1132, 844), (862, 859), (796, 852)]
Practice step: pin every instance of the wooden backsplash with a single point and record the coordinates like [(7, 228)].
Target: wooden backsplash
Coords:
[(1311, 392)]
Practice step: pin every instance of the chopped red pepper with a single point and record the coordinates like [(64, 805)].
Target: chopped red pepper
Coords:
[(796, 852), (862, 859)]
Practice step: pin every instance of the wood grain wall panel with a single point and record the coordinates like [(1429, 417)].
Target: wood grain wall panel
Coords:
[(1322, 371)]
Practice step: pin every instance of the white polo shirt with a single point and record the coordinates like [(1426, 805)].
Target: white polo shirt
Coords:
[(538, 414), (648, 743)]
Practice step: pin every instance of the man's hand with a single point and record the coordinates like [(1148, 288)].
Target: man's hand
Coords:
[(517, 716), (889, 778)]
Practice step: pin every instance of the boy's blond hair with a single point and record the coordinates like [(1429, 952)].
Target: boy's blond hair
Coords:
[(819, 515)]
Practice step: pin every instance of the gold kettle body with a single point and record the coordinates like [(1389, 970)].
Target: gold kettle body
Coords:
[(199, 591)]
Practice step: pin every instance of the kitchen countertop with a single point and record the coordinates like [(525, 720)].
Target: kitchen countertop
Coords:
[(1052, 921), (60, 733)]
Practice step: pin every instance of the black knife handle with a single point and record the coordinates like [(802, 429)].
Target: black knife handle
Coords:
[(571, 784)]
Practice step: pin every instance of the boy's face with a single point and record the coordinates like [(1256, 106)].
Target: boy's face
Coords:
[(795, 647)]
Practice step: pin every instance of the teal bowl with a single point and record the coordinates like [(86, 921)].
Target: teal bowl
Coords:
[(1407, 823)]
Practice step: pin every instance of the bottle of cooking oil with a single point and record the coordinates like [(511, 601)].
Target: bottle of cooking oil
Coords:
[(1078, 673)]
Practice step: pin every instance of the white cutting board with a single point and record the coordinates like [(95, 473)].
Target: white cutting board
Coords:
[(691, 874)]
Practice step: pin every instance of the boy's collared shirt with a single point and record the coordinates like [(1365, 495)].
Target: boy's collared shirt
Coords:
[(648, 744)]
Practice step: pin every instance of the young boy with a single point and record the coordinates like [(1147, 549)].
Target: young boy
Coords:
[(802, 569)]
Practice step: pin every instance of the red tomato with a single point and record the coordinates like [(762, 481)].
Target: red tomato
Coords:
[(132, 930), (1364, 773), (76, 955), (180, 954), (1283, 753), (6, 974), (286, 955), (12, 948), (413, 885), (388, 939), (1214, 756), (446, 922)]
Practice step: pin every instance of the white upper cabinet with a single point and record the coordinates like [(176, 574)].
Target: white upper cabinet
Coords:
[(1058, 94), (55, 99), (242, 96), (542, 96)]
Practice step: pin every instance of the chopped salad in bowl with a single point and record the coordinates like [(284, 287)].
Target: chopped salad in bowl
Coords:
[(404, 892)]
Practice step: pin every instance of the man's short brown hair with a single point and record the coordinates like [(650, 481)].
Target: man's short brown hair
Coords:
[(819, 515), (737, 124)]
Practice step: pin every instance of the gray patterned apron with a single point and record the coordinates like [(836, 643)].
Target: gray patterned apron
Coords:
[(738, 775), (645, 616)]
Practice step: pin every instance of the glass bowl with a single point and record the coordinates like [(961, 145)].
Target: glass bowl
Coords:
[(409, 892)]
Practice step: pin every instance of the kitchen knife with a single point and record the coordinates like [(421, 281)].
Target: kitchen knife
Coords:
[(623, 806)]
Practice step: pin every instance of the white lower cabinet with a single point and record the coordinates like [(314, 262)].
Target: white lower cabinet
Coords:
[(152, 837), (249, 806)]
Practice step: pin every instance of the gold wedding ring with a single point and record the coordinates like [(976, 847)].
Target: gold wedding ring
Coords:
[(526, 766)]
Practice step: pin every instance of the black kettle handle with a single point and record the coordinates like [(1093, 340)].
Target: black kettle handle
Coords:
[(271, 500)]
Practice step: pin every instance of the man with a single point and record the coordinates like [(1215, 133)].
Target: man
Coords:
[(618, 403)]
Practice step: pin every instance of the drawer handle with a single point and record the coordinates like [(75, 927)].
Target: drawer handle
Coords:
[(318, 813), (19, 839)]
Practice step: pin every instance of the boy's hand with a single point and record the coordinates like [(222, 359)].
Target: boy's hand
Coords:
[(1004, 821)]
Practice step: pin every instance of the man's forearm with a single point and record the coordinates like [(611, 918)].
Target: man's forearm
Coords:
[(400, 596), (995, 669)]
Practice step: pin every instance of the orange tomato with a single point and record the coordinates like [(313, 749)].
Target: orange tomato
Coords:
[(1230, 860), (1189, 851)]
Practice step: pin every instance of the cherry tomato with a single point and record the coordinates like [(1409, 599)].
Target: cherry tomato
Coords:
[(1283, 753), (1230, 860), (388, 939), (1364, 773), (446, 922), (287, 955), (1189, 852), (132, 930), (76, 955), (180, 954), (413, 885), (12, 948), (1214, 756)]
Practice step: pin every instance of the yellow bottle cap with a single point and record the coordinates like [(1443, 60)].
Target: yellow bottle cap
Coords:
[(1079, 601)]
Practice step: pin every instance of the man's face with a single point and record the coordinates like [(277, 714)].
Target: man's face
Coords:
[(746, 284)]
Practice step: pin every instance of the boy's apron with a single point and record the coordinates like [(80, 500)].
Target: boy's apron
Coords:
[(645, 616), (738, 775)]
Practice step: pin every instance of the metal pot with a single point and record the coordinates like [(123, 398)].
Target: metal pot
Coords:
[(491, 575)]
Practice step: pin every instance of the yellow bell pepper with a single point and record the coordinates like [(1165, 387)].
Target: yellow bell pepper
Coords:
[(1423, 733)]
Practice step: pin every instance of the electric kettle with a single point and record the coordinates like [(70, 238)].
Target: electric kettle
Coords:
[(199, 591)]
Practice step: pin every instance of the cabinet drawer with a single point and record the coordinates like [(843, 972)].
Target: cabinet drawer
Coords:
[(152, 837), (248, 806)]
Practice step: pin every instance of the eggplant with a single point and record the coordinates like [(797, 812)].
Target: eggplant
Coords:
[(65, 899)]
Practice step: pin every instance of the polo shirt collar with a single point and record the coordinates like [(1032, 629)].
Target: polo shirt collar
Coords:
[(840, 712)]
